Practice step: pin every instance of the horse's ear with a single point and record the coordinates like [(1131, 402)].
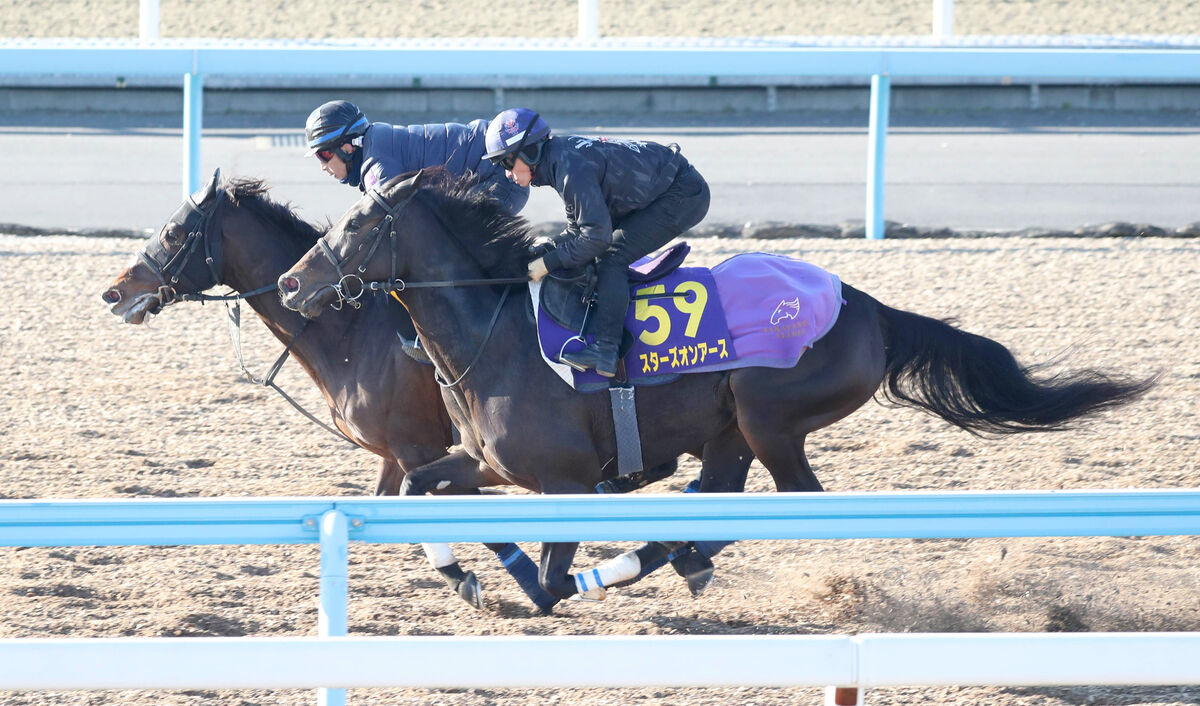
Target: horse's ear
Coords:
[(413, 181), (209, 190)]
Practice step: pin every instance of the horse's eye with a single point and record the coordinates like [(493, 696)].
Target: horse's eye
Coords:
[(354, 224), (173, 234)]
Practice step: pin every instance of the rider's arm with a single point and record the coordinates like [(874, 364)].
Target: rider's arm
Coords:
[(587, 217)]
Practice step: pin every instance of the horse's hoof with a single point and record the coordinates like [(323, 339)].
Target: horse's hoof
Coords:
[(469, 591), (698, 572), (592, 595)]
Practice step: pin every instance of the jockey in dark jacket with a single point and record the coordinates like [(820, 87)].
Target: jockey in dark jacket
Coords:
[(365, 154), (623, 199)]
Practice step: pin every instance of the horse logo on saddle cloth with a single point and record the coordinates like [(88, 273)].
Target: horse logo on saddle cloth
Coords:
[(754, 309)]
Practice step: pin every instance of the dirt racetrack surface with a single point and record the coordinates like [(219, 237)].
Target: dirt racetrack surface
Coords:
[(93, 408), (325, 19)]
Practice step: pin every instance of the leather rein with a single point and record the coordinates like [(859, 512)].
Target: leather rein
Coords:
[(387, 228), (174, 268)]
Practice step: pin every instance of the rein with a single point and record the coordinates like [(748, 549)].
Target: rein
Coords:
[(394, 284), (174, 268), (235, 335)]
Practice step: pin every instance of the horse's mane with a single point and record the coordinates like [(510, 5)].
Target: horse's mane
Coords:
[(252, 193), (497, 241)]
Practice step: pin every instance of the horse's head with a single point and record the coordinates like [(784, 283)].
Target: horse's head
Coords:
[(361, 247), (182, 258)]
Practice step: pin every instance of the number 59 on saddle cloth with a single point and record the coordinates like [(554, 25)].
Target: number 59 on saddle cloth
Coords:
[(754, 309)]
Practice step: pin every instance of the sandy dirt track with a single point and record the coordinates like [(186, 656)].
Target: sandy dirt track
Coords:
[(323, 19), (95, 408)]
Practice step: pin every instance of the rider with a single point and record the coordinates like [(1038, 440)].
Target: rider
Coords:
[(366, 154), (623, 199)]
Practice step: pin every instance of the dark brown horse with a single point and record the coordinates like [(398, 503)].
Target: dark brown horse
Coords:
[(379, 396), (519, 418)]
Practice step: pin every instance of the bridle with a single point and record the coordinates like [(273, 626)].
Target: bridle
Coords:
[(387, 228), (171, 268)]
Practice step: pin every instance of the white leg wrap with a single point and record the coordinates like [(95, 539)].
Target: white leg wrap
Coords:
[(614, 570), (439, 555)]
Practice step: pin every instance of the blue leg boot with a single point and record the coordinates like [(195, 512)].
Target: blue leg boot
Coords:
[(522, 568)]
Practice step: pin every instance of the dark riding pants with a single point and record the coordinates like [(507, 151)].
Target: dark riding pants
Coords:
[(681, 206)]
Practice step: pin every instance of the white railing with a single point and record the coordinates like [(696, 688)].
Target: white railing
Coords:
[(334, 661)]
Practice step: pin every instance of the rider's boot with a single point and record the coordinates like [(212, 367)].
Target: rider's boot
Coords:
[(601, 356)]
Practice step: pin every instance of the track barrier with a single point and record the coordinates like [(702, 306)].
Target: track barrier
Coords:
[(334, 661)]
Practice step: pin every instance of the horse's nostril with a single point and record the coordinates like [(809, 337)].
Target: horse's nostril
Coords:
[(290, 284), (112, 296)]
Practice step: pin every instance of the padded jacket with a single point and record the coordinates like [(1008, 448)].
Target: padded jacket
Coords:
[(601, 181), (391, 150)]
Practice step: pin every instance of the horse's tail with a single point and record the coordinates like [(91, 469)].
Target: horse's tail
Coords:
[(976, 384)]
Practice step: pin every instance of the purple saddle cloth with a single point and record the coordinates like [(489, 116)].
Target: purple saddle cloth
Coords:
[(753, 309)]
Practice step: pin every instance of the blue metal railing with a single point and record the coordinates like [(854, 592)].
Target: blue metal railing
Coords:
[(333, 523), (506, 59)]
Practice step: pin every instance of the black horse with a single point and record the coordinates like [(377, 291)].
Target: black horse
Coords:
[(519, 418), (380, 397)]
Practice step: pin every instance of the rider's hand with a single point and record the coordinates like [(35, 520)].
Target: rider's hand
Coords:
[(537, 269)]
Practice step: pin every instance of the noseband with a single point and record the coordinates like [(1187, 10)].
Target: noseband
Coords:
[(173, 267), (346, 281)]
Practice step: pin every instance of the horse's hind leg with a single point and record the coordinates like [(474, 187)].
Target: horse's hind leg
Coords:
[(784, 458), (726, 462)]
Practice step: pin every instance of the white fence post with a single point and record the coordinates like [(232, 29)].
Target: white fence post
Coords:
[(148, 20), (193, 125), (589, 19), (943, 19)]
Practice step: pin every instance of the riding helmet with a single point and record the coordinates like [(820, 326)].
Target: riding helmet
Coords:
[(332, 125), (516, 130)]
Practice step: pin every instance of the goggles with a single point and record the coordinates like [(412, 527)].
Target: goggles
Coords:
[(509, 160), (324, 155)]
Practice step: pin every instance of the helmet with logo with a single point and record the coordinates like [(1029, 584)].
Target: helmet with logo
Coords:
[(332, 125), (515, 131)]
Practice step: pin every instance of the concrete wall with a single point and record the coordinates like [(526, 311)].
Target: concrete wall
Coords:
[(229, 99)]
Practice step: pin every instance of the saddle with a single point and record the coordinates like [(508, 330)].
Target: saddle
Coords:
[(752, 310), (566, 295)]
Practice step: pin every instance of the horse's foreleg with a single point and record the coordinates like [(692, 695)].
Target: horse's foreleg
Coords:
[(455, 471), (441, 556), (556, 578), (390, 477), (458, 473), (463, 583), (554, 573), (518, 565)]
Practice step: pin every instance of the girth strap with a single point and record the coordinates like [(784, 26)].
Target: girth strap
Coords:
[(629, 440)]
